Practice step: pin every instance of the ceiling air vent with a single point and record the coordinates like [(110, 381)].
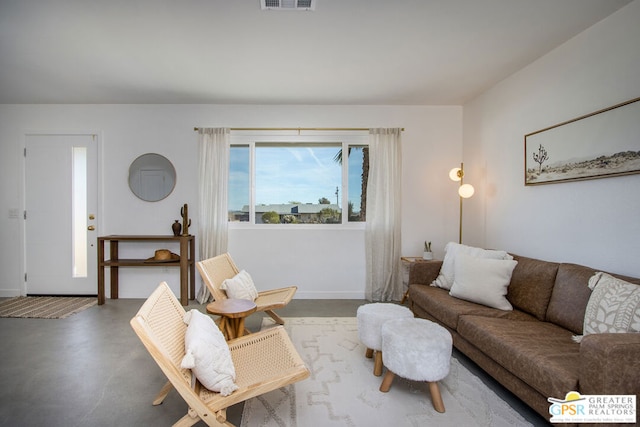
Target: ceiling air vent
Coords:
[(288, 4)]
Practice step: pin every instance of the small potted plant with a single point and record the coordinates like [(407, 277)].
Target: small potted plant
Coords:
[(427, 254)]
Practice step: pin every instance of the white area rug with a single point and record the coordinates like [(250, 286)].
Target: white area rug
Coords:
[(342, 390)]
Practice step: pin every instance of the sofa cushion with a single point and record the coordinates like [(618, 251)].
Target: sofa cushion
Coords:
[(531, 285), (447, 309), (452, 249), (483, 280), (570, 296), (539, 353)]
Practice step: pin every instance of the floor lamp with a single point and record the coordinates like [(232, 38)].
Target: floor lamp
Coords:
[(464, 191)]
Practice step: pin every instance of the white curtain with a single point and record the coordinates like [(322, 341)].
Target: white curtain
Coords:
[(382, 230), (213, 183)]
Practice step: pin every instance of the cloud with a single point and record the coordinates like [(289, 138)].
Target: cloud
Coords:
[(285, 173)]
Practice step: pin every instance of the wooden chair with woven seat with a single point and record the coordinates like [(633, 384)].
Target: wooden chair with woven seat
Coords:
[(263, 361), (215, 270)]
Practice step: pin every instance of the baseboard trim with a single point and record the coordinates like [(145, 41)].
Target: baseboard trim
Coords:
[(329, 295), (9, 293)]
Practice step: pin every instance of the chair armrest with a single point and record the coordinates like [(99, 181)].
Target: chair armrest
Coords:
[(610, 364), (424, 272), (275, 298)]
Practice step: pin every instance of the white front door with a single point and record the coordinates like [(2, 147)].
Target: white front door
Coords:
[(61, 225)]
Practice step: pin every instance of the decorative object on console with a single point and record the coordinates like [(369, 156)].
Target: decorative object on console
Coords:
[(176, 227), (427, 254), (186, 222), (464, 191), (163, 255)]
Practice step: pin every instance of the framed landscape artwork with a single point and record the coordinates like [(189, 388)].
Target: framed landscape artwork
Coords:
[(602, 144)]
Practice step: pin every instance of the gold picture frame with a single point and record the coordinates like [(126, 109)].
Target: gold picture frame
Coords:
[(602, 144)]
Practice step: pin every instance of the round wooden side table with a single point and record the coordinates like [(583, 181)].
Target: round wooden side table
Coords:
[(232, 313)]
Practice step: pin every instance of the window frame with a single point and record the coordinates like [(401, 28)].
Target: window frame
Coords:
[(345, 139)]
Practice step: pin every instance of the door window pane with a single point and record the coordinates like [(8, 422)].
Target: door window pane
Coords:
[(79, 211)]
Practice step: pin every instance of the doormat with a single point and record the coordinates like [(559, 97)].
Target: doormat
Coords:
[(45, 307)]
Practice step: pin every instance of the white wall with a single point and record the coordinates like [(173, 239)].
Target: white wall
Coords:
[(596, 222), (589, 222), (324, 264)]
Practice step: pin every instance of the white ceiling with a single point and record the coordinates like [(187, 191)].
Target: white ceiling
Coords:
[(404, 52)]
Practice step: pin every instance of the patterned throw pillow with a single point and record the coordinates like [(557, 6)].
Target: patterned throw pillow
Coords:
[(614, 306)]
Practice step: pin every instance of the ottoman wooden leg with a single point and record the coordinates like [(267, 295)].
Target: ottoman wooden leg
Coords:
[(386, 381), (369, 353), (436, 397), (377, 364)]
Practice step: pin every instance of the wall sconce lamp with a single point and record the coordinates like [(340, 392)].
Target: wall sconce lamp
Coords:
[(464, 191)]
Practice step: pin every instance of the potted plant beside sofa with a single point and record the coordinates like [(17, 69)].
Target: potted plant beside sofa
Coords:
[(427, 254)]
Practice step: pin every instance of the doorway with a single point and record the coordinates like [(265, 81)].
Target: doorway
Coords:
[(61, 189)]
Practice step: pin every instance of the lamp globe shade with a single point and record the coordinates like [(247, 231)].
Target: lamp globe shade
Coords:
[(455, 174), (466, 190)]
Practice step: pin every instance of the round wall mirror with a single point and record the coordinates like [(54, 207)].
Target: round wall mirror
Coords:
[(152, 177)]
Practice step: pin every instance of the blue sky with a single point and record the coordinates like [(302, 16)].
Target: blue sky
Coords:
[(291, 173)]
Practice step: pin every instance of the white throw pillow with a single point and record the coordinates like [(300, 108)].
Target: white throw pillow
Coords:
[(483, 280), (614, 306), (452, 250), (207, 354), (240, 286)]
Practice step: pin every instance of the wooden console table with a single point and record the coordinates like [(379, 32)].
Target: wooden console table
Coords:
[(186, 263)]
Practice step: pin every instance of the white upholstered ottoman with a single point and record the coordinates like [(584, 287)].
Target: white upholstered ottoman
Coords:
[(419, 350), (371, 317)]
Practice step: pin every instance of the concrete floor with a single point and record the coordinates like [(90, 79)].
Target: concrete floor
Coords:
[(90, 369)]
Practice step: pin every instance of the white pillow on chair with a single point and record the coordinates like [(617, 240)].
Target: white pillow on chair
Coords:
[(207, 354), (240, 286)]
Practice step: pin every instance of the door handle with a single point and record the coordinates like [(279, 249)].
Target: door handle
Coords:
[(91, 228)]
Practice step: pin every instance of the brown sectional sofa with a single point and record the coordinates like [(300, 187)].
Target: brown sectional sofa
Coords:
[(530, 350)]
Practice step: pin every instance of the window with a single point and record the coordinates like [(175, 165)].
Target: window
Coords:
[(297, 179)]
